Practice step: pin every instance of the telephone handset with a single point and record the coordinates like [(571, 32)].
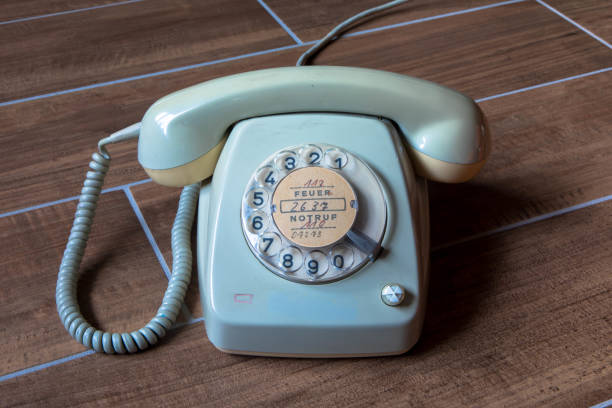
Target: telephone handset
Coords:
[(183, 133), (313, 235)]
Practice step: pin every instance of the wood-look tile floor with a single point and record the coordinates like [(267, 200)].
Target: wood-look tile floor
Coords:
[(520, 303)]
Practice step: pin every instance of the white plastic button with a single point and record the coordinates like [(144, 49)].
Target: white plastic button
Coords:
[(335, 158), (269, 244), (258, 198), (290, 259), (258, 222), (342, 256), (316, 264), (393, 294), (311, 154), (286, 161), (267, 176)]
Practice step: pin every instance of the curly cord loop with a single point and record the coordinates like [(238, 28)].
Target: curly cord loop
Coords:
[(66, 289)]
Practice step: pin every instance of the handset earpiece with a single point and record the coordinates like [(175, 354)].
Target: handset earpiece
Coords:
[(190, 172), (182, 134), (446, 160)]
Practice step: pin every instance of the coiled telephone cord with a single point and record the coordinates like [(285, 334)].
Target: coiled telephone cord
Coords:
[(66, 290)]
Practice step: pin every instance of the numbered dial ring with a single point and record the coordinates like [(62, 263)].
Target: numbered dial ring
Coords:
[(301, 208)]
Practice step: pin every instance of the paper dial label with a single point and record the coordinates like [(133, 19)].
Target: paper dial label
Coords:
[(314, 207)]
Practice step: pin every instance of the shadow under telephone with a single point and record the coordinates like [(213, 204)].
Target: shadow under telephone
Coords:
[(313, 234)]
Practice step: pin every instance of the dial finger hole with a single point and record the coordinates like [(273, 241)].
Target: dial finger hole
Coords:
[(267, 176), (335, 158), (311, 154), (290, 259), (258, 197), (258, 222), (342, 257), (269, 244), (286, 161), (316, 264)]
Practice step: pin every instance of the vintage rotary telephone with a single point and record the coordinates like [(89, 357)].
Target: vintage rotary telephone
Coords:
[(313, 235)]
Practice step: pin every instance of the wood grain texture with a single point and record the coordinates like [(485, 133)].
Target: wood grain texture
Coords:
[(550, 150), (518, 319), (594, 15), (117, 42), (15, 9), (311, 20), (121, 288), (482, 53), (46, 143)]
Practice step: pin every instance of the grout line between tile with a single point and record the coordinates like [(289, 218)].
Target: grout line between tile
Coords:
[(147, 231), (238, 57), (280, 22), (151, 238), (522, 223), (73, 198), (604, 404), (569, 20), (61, 13), (126, 187), (189, 322), (488, 98), (77, 356), (431, 18), (557, 81), (151, 74), (135, 183), (45, 365), (38, 206), (201, 319)]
